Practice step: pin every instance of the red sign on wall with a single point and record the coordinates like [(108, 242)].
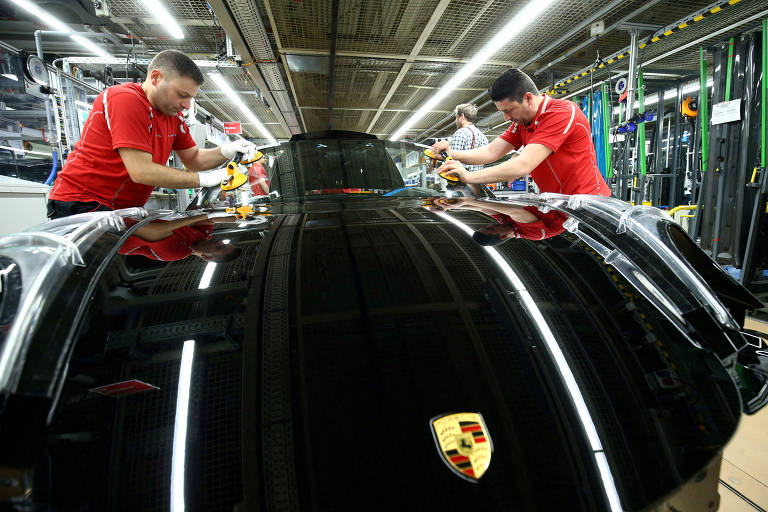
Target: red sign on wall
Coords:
[(232, 128)]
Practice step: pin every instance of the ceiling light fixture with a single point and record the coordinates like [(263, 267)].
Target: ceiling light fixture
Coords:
[(235, 98), (510, 30), (162, 15), (60, 26)]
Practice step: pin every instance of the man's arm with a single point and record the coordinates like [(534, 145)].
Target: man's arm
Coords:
[(482, 155), (201, 159), (514, 168), (155, 231), (143, 170), (516, 213)]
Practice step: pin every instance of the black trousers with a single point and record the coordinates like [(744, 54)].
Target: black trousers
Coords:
[(61, 209)]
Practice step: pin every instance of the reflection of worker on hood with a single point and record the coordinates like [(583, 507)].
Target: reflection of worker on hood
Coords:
[(175, 240), (513, 221)]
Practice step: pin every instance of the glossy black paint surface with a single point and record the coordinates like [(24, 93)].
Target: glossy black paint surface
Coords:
[(322, 352)]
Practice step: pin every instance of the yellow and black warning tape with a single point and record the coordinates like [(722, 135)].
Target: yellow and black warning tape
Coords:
[(655, 38)]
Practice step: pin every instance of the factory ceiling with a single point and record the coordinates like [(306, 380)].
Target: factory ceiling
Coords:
[(385, 58)]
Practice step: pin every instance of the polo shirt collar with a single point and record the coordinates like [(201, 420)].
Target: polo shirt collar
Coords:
[(542, 108)]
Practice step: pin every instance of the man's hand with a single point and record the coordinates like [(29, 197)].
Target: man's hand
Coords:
[(441, 204), (212, 178), (440, 146), (243, 146), (454, 168)]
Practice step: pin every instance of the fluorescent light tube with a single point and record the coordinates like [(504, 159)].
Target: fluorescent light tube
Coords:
[(56, 24), (510, 30), (90, 46), (43, 16), (222, 83), (161, 14), (178, 459), (205, 281)]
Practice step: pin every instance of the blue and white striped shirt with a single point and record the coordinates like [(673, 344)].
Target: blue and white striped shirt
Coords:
[(469, 137)]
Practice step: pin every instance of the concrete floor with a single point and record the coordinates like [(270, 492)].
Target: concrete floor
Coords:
[(745, 461)]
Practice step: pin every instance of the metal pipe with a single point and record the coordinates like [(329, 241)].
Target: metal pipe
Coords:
[(632, 71), (682, 207)]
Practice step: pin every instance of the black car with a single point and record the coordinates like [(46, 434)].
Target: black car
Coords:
[(368, 336)]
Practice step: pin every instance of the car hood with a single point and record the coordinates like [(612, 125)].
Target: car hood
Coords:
[(307, 373)]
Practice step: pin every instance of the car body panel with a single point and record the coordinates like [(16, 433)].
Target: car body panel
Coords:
[(602, 364)]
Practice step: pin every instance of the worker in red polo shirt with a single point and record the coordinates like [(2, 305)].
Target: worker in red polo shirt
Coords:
[(554, 134), (511, 221), (128, 137), (176, 239)]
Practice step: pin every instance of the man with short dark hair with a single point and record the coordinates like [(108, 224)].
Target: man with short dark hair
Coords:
[(554, 134), (128, 137), (468, 136)]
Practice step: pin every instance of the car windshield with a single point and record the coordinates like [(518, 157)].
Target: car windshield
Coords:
[(320, 167)]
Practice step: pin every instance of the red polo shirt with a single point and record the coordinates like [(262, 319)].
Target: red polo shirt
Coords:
[(549, 224), (121, 117), (175, 247), (571, 168)]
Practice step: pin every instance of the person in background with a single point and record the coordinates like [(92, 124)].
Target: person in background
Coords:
[(557, 144), (468, 136), (128, 137)]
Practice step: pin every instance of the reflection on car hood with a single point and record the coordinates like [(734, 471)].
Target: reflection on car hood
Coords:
[(308, 370)]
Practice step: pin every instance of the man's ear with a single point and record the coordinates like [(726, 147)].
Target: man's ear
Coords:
[(155, 76), (528, 97)]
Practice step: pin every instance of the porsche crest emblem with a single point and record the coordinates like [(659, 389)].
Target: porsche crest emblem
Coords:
[(464, 443)]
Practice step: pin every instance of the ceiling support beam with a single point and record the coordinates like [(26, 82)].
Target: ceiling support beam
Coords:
[(231, 29), (332, 60), (275, 33), (125, 20), (436, 15), (392, 57), (363, 109)]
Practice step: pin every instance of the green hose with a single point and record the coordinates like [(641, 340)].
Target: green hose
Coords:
[(729, 71), (641, 125), (607, 131)]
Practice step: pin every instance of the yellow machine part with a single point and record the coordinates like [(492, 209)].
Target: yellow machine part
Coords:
[(689, 107), (435, 161), (452, 179), (234, 179), (258, 155), (242, 212)]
